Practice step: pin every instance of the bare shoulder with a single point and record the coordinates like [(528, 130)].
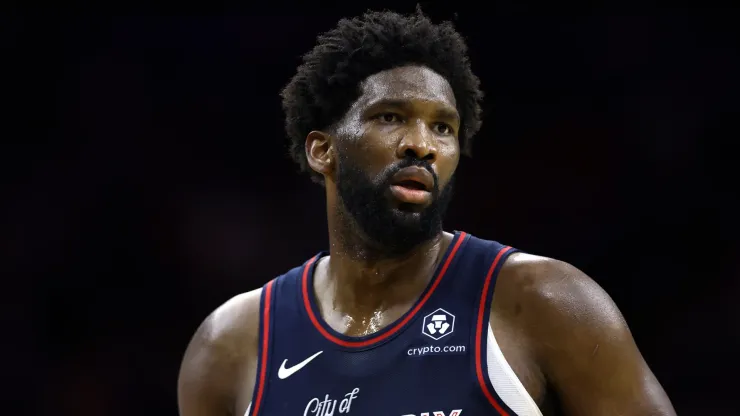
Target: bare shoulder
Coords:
[(232, 329), (220, 356), (579, 339), (555, 303), (547, 285)]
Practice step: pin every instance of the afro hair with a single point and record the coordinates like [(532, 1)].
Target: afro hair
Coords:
[(328, 81)]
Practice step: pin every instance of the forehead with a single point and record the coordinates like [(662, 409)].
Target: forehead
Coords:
[(407, 83)]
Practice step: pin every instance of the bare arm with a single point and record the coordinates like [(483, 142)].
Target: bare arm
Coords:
[(220, 358), (585, 348)]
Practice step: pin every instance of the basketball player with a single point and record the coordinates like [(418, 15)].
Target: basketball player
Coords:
[(400, 318)]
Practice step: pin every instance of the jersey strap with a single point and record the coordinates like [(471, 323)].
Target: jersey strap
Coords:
[(263, 349), (496, 255)]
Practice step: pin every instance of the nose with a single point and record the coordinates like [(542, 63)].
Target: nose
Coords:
[(418, 143)]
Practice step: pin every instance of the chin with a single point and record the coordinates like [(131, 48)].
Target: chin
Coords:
[(410, 209), (408, 220)]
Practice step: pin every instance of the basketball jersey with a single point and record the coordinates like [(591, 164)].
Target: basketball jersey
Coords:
[(438, 359)]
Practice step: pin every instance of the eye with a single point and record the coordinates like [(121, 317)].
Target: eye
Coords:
[(443, 129), (388, 118)]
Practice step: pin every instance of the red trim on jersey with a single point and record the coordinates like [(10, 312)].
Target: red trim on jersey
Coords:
[(396, 327), (479, 329), (265, 346)]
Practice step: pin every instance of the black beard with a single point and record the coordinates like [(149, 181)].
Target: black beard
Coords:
[(391, 231)]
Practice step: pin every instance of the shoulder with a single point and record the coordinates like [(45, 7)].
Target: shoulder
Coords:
[(553, 291), (232, 326), (538, 275), (218, 355), (576, 336), (557, 308)]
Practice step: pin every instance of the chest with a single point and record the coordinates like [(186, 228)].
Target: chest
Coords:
[(434, 359), (428, 366), (401, 377)]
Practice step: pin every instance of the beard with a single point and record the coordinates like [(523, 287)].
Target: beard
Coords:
[(391, 230)]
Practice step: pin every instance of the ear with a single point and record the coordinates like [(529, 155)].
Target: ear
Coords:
[(320, 152)]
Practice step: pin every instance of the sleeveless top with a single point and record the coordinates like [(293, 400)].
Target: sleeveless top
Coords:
[(438, 359)]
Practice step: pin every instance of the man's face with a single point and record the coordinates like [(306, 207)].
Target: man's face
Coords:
[(397, 151)]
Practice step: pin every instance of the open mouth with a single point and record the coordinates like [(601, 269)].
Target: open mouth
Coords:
[(411, 192), (412, 185)]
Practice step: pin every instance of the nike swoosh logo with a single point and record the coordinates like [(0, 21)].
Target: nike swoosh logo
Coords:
[(284, 373)]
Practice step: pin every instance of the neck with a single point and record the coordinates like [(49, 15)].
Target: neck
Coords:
[(361, 277)]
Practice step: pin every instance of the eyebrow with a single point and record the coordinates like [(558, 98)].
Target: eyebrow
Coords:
[(445, 113)]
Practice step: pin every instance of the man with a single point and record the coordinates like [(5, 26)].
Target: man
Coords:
[(399, 317)]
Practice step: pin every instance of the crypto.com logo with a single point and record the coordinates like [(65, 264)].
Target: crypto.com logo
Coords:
[(438, 324)]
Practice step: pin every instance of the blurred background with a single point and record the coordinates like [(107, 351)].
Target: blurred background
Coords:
[(148, 182)]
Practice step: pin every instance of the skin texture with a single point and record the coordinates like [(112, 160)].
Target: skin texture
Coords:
[(559, 331)]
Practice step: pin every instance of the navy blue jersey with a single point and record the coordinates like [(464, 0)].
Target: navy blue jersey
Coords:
[(432, 361)]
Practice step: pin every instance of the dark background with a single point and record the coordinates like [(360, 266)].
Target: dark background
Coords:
[(149, 182)]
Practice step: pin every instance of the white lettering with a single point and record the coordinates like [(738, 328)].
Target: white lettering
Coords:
[(434, 349), (347, 401), (456, 412), (326, 407), (308, 410)]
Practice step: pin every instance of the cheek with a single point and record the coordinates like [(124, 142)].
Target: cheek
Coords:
[(447, 160), (350, 131), (372, 147)]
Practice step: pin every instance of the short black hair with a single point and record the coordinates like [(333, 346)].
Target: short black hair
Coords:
[(328, 81)]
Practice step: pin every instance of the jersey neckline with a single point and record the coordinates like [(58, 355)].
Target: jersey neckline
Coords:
[(364, 342)]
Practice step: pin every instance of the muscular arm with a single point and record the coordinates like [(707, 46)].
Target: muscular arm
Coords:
[(220, 360), (585, 348)]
